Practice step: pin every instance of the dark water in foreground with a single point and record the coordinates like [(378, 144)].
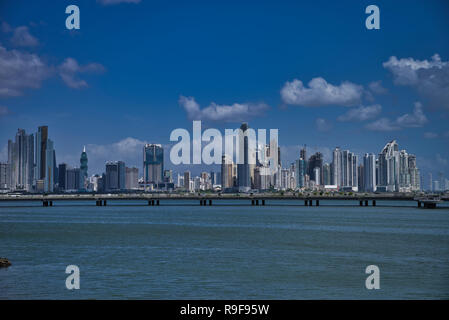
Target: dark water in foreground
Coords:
[(224, 252)]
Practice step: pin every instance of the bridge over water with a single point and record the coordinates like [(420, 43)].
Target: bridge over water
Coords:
[(152, 199)]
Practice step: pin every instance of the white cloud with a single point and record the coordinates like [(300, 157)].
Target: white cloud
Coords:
[(320, 93), (22, 38), (377, 88), (112, 2), (383, 124), (19, 71), (416, 119), (430, 135), (70, 69), (236, 112), (361, 113), (322, 125), (408, 120), (429, 78)]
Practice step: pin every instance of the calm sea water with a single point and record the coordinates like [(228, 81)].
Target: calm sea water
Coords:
[(224, 252)]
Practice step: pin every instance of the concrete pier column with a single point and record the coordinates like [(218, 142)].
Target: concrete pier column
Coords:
[(257, 202), (306, 203), (51, 203), (419, 204), (210, 202), (361, 203), (44, 203), (317, 203), (104, 202), (252, 202), (152, 202), (201, 202), (263, 202), (366, 203), (157, 202), (374, 203), (310, 203)]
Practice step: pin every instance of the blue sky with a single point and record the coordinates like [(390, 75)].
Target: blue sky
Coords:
[(117, 82)]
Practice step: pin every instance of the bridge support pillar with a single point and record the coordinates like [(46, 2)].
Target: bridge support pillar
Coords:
[(361, 203), (104, 202), (45, 203), (366, 203), (374, 203), (51, 203), (263, 202), (310, 203), (419, 204), (257, 202), (210, 202), (157, 202), (252, 202), (306, 203), (430, 205), (98, 203)]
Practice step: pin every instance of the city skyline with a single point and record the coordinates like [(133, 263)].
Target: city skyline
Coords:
[(114, 99), (32, 166)]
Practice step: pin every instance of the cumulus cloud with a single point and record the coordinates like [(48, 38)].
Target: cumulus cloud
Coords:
[(112, 2), (236, 112), (377, 88), (361, 113), (415, 119), (19, 71), (322, 125), (408, 120), (383, 124), (319, 93), (22, 38), (429, 77), (70, 69)]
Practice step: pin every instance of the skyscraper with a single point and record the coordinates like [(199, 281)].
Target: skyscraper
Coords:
[(62, 175), (243, 169), (187, 180), (83, 169), (336, 167), (21, 161), (5, 175), (389, 167), (115, 176), (369, 176), (132, 176), (315, 161), (153, 163), (45, 157), (226, 172)]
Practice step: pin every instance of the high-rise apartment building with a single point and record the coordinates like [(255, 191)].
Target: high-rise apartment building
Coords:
[(21, 161), (153, 164), (369, 176)]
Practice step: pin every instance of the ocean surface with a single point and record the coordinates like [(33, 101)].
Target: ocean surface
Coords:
[(128, 250)]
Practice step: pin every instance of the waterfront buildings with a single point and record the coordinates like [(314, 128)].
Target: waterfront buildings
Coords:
[(153, 164)]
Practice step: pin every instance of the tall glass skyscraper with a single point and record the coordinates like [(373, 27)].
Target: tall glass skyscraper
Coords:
[(243, 169), (21, 161), (83, 169), (153, 163)]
